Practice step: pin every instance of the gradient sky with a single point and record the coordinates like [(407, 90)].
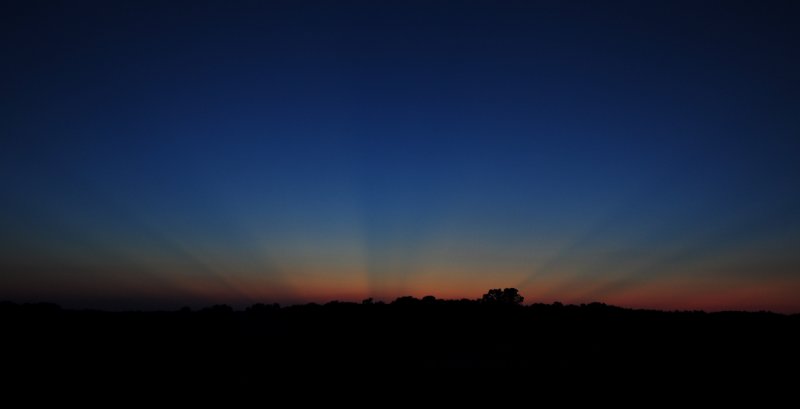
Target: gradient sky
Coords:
[(155, 154)]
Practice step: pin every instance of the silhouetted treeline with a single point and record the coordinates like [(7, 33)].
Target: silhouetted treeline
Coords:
[(495, 332)]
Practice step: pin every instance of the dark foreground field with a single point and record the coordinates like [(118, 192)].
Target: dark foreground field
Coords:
[(45, 343)]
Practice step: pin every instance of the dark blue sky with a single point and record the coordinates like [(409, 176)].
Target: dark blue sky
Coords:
[(154, 154)]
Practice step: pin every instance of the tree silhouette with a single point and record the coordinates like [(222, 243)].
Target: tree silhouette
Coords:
[(406, 300), (506, 296)]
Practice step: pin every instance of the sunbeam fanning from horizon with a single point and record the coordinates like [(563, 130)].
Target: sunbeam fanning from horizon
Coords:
[(293, 152)]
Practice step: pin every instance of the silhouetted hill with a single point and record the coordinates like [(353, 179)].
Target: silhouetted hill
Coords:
[(218, 344)]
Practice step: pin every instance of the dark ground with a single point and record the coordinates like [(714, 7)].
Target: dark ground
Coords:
[(44, 343)]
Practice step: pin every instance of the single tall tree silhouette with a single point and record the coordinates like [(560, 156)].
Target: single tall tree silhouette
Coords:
[(506, 296)]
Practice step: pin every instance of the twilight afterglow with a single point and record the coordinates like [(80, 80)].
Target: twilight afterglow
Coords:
[(155, 154)]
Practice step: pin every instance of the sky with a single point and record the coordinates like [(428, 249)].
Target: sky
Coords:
[(155, 154)]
